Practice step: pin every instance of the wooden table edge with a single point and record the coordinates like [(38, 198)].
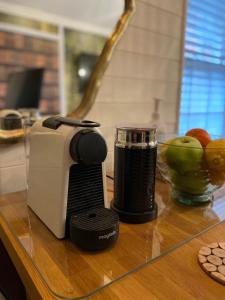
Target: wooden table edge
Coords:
[(35, 287)]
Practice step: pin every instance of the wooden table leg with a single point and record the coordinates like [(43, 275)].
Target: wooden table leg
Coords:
[(10, 283)]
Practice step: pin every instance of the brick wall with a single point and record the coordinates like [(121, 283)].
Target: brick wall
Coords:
[(18, 52)]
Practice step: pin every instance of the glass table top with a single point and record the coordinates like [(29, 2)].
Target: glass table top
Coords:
[(71, 273)]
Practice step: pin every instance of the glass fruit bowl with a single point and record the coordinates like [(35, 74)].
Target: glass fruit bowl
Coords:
[(193, 171)]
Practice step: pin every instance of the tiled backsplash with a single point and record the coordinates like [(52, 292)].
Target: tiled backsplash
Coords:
[(146, 64)]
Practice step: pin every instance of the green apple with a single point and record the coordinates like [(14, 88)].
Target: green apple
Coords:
[(192, 183), (184, 154)]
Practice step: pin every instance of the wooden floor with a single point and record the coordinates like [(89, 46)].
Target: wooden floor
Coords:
[(70, 273)]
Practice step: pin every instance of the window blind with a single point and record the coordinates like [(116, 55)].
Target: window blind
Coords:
[(203, 84)]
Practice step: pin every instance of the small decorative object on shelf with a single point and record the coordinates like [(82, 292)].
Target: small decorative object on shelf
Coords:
[(212, 260), (11, 126), (193, 164)]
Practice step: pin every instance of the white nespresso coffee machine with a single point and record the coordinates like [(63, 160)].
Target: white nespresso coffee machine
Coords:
[(66, 172)]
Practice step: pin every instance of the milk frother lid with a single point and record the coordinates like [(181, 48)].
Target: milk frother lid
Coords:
[(135, 135)]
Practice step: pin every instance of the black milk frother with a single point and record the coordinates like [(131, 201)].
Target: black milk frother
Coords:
[(134, 174)]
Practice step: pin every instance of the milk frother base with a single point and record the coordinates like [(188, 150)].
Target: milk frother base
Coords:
[(135, 218)]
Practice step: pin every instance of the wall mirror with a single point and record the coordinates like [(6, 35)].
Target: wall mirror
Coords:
[(72, 41)]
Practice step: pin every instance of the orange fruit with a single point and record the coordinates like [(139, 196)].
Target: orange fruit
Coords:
[(201, 135), (215, 155), (217, 178), (215, 159)]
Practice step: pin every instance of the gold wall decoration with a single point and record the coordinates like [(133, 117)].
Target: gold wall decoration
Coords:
[(103, 61)]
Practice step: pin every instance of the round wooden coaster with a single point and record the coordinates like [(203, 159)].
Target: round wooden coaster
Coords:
[(222, 245), (213, 245), (205, 251), (212, 260)]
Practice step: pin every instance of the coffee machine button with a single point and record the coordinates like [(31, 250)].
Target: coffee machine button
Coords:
[(88, 147)]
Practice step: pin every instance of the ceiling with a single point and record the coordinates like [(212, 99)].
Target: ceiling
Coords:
[(99, 13)]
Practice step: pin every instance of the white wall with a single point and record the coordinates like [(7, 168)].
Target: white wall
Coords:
[(146, 64)]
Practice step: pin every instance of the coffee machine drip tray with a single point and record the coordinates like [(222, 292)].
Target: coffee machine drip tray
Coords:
[(71, 273)]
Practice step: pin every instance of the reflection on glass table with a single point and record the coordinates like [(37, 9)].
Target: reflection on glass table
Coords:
[(71, 273), (12, 154)]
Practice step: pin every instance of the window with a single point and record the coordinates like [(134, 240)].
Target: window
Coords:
[(203, 87)]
